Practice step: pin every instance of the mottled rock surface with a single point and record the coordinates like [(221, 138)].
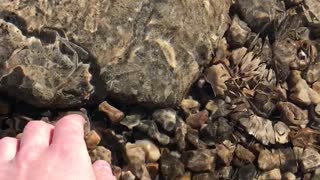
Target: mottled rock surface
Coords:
[(147, 51)]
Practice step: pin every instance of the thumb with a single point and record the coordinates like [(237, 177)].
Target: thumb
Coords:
[(102, 170)]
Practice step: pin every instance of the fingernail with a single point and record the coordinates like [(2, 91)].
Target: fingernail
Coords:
[(101, 164)]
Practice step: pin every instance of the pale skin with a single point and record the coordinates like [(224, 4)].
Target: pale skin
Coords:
[(47, 152)]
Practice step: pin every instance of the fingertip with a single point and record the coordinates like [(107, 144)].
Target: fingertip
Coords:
[(102, 170)]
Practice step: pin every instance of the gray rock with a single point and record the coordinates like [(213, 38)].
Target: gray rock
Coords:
[(151, 129), (310, 159), (216, 131), (147, 51), (246, 172)]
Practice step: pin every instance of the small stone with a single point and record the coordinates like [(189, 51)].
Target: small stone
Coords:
[(288, 160), (238, 32), (244, 154), (114, 114), (150, 127), (211, 106), (226, 172), (100, 153), (151, 150), (171, 167), (289, 176), (140, 171), (116, 171), (199, 160), (216, 76), (225, 153), (153, 169), (92, 139), (281, 131), (310, 160), (292, 114), (180, 134), (166, 118), (316, 174), (198, 119), (131, 121), (189, 105), (217, 131), (274, 174), (135, 154), (247, 172), (193, 138), (313, 73), (268, 161), (127, 175)]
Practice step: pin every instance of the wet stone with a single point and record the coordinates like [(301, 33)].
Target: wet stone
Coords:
[(171, 166), (268, 161), (199, 160), (166, 118)]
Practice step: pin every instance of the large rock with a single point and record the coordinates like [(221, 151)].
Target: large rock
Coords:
[(145, 51)]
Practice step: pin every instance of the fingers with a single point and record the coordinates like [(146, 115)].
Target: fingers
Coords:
[(8, 148), (69, 132), (36, 135), (102, 170)]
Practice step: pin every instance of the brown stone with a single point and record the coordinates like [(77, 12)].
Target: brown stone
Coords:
[(153, 169), (310, 160), (225, 153), (92, 139), (135, 154), (274, 174), (268, 161), (100, 153), (114, 114), (244, 154), (199, 160), (198, 119), (292, 114)]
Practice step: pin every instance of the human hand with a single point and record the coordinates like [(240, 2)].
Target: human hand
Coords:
[(47, 152)]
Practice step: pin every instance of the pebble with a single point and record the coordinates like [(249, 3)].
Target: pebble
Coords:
[(166, 118), (127, 175), (238, 32), (211, 106), (171, 167), (274, 174), (292, 114), (114, 114), (135, 154), (116, 171), (153, 169), (216, 131), (268, 161), (244, 154), (151, 129), (151, 150), (186, 176), (92, 139), (193, 138), (289, 176), (140, 171), (225, 153), (247, 172), (310, 159), (198, 119), (180, 134), (189, 105), (199, 160), (226, 172), (100, 153), (131, 121), (288, 159)]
